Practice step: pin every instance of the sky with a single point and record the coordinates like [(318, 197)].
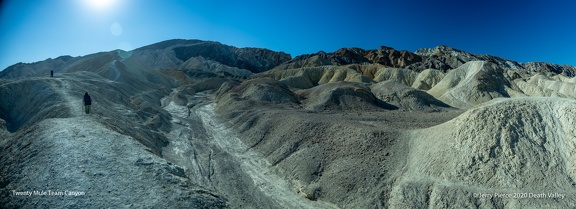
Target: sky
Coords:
[(524, 31)]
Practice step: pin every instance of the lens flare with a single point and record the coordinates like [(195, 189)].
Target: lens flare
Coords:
[(116, 29)]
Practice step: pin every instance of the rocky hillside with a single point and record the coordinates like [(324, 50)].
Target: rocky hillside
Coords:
[(198, 124), (441, 58), (171, 54)]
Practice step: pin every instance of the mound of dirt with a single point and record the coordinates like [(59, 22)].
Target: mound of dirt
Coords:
[(471, 84), (304, 78), (368, 70), (427, 79), (505, 146), (541, 85), (404, 76), (406, 98), (342, 96), (263, 91)]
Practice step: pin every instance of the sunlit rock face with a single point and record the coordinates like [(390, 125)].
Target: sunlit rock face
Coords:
[(199, 124)]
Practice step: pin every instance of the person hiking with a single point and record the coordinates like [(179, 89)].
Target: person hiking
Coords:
[(87, 102), (51, 73)]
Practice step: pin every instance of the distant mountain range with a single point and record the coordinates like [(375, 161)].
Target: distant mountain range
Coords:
[(182, 54), (441, 58)]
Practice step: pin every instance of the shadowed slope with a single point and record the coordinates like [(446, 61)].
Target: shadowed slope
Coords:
[(342, 96), (309, 77), (29, 101), (406, 98)]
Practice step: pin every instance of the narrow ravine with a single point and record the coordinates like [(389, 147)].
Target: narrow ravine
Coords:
[(215, 158), (181, 149), (264, 176), (191, 148)]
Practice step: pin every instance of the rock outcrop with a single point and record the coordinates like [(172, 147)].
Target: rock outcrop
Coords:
[(544, 67), (445, 58), (253, 59), (441, 58), (406, 98), (384, 55)]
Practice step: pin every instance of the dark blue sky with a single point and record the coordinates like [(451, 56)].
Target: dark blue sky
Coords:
[(529, 30)]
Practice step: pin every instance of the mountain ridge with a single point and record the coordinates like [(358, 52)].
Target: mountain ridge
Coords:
[(172, 53), (441, 57)]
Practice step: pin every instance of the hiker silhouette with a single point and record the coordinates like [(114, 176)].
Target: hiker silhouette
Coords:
[(87, 103)]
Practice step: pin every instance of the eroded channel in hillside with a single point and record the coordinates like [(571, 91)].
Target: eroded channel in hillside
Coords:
[(206, 149)]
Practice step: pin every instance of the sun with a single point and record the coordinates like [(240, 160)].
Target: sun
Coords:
[(100, 4)]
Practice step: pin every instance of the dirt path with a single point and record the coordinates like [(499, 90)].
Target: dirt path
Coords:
[(75, 155), (75, 104)]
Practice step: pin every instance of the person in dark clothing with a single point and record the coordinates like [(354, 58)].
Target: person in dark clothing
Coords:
[(51, 73), (87, 102)]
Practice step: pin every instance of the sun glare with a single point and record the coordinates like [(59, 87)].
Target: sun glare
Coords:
[(100, 4)]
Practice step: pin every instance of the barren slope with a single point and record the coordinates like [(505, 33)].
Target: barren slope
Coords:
[(505, 146)]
